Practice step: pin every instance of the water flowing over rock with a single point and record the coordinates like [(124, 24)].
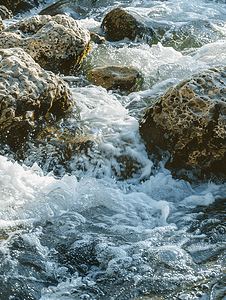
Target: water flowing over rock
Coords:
[(96, 38), (5, 13), (120, 23), (27, 93), (76, 8), (190, 122), (56, 43), (19, 5), (116, 77)]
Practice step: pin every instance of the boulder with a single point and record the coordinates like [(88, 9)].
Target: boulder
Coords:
[(77, 9), (27, 94), (5, 13), (56, 43), (116, 77), (17, 6), (190, 122), (120, 23)]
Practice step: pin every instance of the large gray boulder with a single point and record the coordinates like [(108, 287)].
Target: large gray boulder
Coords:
[(190, 122), (56, 43), (27, 94)]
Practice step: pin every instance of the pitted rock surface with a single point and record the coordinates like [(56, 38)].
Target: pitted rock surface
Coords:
[(27, 92), (56, 43), (120, 23), (190, 122)]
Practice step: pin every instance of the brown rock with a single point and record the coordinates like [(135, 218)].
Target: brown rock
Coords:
[(120, 23), (116, 77), (5, 13), (96, 38), (27, 93), (1, 25), (190, 122), (56, 43), (19, 5)]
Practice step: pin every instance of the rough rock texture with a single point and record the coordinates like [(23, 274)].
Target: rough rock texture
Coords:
[(56, 43), (27, 92), (19, 5), (116, 77), (5, 13), (96, 38), (190, 122), (1, 25), (119, 24), (65, 139)]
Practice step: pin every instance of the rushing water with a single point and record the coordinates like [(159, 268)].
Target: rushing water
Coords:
[(114, 224)]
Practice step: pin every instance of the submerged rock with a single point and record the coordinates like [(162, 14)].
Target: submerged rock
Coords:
[(116, 77), (190, 122), (66, 139), (5, 13), (56, 43), (27, 93), (120, 23)]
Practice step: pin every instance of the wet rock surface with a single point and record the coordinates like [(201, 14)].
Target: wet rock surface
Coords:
[(190, 122), (96, 38), (116, 77), (1, 25), (27, 94), (76, 8), (5, 13), (56, 43), (19, 5), (120, 23)]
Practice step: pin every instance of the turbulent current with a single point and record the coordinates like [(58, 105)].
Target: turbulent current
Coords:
[(101, 227)]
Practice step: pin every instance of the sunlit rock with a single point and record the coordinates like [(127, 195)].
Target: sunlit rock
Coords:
[(120, 23), (190, 122), (5, 13), (27, 93), (116, 77), (56, 43)]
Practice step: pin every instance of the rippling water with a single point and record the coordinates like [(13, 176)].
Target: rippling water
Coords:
[(112, 223)]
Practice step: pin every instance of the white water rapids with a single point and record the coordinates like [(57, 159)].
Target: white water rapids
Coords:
[(88, 234)]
